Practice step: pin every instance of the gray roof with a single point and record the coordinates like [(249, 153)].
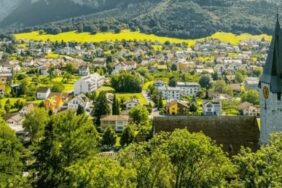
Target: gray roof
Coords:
[(272, 73)]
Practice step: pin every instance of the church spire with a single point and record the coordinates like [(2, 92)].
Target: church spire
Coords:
[(272, 73), (277, 26)]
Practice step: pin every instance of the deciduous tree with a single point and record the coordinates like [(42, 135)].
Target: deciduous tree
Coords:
[(67, 139)]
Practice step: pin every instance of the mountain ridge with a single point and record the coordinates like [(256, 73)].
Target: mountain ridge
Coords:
[(174, 18)]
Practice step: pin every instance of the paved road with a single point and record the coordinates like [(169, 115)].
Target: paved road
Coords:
[(155, 111)]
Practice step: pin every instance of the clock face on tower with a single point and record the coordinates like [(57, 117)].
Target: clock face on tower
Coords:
[(265, 92)]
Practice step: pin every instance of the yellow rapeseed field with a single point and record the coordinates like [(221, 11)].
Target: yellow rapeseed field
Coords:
[(130, 35)]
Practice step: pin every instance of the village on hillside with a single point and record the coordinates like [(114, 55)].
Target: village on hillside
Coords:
[(211, 78)]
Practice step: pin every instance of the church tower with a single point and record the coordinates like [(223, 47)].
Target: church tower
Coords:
[(271, 88)]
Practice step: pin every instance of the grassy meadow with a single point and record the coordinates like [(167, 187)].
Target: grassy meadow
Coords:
[(130, 35)]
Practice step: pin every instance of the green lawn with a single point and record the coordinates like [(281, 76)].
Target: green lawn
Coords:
[(126, 96), (147, 84), (12, 102), (104, 89)]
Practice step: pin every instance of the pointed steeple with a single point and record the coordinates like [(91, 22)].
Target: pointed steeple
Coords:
[(272, 73)]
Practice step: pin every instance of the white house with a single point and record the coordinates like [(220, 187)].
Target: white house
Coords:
[(44, 70), (15, 121), (131, 103), (248, 109), (80, 100), (124, 66), (26, 109), (170, 93), (88, 84), (159, 84), (43, 93), (212, 108), (252, 83), (181, 89), (83, 70), (188, 88)]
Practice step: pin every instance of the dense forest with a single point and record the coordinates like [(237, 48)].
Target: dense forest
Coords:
[(176, 18), (65, 151)]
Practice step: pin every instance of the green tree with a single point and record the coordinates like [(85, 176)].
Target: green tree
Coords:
[(58, 87), (126, 82), (193, 107), (18, 104), (205, 81), (239, 77), (101, 172), (257, 71), (262, 168), (251, 96), (139, 114), (101, 107), (160, 103), (116, 106), (172, 82), (68, 138), (11, 150), (151, 162), (80, 110), (127, 136), (173, 67), (197, 161), (220, 86), (109, 137), (35, 122), (7, 106)]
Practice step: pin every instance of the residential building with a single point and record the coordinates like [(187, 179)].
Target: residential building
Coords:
[(15, 122), (43, 93), (124, 66), (159, 84), (212, 108), (80, 100), (88, 84), (248, 109), (117, 122), (170, 93), (188, 88), (6, 78), (176, 107), (131, 103), (26, 109), (181, 89), (44, 70), (252, 83), (83, 70)]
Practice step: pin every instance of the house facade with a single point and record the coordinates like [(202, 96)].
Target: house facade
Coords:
[(181, 89), (117, 122), (188, 88), (131, 103), (176, 107), (170, 93), (43, 93), (212, 108), (83, 70), (80, 100), (248, 109)]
